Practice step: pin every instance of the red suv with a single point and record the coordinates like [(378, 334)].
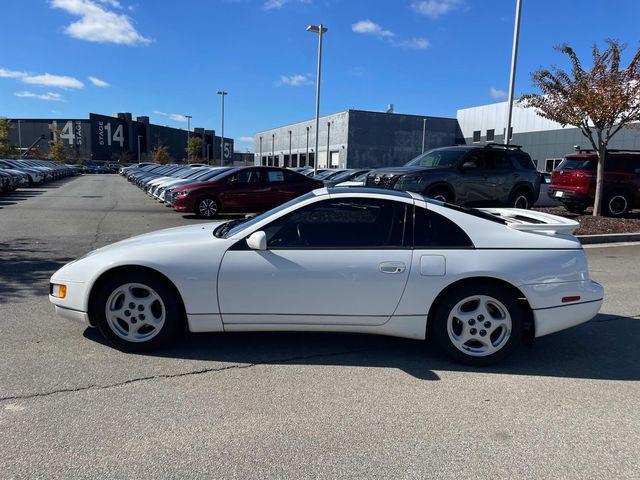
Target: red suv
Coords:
[(242, 190), (573, 182)]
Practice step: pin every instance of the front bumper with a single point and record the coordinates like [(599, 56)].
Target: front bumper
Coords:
[(75, 315)]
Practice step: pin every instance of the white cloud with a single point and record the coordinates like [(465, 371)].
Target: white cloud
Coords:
[(418, 43), (496, 93), (368, 27), (99, 83), (245, 139), (435, 8), (158, 112), (55, 97), (48, 80), (295, 80), (99, 24), (4, 73), (276, 4), (177, 117)]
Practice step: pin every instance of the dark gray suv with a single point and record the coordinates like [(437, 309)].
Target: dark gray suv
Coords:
[(489, 175)]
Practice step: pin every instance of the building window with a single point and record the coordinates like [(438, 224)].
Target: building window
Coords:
[(476, 136), (550, 164), (491, 135)]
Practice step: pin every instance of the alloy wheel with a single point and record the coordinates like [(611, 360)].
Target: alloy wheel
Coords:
[(135, 312), (618, 204), (521, 201), (479, 325), (208, 207)]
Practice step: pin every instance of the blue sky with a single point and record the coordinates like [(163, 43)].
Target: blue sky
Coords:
[(66, 58)]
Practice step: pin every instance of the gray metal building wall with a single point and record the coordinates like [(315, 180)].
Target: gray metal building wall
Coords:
[(379, 139), (276, 141), (76, 135), (358, 138)]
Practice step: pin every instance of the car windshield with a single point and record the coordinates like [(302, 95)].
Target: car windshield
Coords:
[(437, 158), (326, 174), (229, 229), (577, 164), (342, 176)]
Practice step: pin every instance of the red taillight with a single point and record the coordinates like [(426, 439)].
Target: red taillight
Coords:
[(575, 298)]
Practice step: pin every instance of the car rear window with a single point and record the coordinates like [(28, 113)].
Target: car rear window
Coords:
[(577, 164)]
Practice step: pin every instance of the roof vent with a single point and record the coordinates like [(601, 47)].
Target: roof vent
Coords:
[(390, 108)]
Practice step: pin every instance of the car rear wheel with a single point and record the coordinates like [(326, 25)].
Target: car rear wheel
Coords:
[(137, 311), (521, 199), (616, 204), (477, 325), (207, 207)]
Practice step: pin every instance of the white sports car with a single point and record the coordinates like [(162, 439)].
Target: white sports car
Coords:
[(477, 281)]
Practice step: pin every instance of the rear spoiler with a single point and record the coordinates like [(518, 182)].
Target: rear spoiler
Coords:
[(533, 221)]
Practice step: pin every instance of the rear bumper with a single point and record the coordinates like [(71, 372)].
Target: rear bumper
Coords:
[(573, 195), (551, 319)]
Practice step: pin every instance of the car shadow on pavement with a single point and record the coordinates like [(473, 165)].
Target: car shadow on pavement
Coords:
[(25, 193), (25, 269), (604, 349)]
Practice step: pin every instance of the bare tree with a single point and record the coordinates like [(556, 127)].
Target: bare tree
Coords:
[(600, 101), (161, 154)]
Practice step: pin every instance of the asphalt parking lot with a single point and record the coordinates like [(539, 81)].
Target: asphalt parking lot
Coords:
[(271, 405)]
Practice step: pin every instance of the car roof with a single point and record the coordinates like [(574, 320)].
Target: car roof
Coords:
[(368, 190)]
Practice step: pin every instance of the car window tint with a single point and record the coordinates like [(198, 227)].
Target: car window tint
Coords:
[(475, 158), (496, 160), (275, 176), (340, 223), (432, 230), (523, 161), (249, 176)]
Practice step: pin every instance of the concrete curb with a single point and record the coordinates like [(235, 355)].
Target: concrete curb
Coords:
[(609, 238)]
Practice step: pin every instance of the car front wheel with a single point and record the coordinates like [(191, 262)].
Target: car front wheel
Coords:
[(137, 311), (477, 325), (207, 207)]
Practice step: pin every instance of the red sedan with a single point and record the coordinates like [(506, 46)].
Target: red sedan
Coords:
[(242, 190)]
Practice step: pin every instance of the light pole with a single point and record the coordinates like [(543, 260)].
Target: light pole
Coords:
[(188, 117), (273, 154), (139, 137), (222, 94), (20, 138), (512, 74), (306, 159), (260, 151), (320, 30), (208, 154), (290, 159), (328, 133), (424, 132)]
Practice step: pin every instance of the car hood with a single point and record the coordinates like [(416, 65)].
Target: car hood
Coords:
[(154, 249), (206, 183), (404, 170)]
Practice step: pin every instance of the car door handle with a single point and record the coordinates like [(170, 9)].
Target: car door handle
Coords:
[(392, 267)]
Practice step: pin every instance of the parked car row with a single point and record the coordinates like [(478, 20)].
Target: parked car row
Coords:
[(209, 191), (29, 172)]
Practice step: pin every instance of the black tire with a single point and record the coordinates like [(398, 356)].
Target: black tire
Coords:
[(616, 204), (521, 198), (439, 193), (207, 207), (577, 208), (173, 322), (439, 325)]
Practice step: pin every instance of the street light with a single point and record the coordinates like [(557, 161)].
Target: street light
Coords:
[(290, 159), (320, 30), (222, 94), (139, 137), (306, 159), (273, 154), (188, 117), (260, 151), (512, 74)]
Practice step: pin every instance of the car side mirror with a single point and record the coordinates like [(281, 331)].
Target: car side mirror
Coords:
[(469, 166), (257, 240)]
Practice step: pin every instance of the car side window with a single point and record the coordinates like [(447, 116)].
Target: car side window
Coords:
[(497, 160), (475, 161), (432, 230), (249, 176), (275, 176), (341, 224)]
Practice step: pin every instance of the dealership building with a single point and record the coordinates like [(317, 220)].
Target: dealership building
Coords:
[(354, 139), (359, 139), (104, 138)]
